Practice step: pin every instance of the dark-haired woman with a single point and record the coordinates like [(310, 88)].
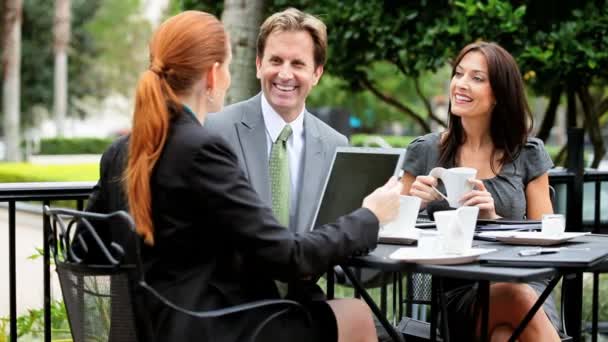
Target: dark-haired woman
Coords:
[(489, 123), (210, 241)]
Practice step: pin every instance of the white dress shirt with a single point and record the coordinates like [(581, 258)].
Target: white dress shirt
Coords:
[(295, 148)]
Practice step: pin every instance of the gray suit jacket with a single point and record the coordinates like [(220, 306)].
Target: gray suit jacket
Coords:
[(242, 125)]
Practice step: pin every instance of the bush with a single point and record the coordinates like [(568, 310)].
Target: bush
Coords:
[(393, 140), (74, 145), (25, 172)]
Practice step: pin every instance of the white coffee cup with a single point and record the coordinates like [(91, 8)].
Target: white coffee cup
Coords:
[(456, 228), (455, 181), (406, 219), (553, 224)]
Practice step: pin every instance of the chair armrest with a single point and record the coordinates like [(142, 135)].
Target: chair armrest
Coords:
[(289, 304), (224, 311)]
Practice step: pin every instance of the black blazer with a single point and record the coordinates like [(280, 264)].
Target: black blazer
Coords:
[(216, 243)]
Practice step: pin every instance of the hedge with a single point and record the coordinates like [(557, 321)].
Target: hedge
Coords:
[(74, 145), (393, 140), (25, 172)]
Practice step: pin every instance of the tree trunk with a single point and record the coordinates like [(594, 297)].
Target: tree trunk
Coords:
[(570, 108), (11, 92), (242, 20), (61, 31), (549, 118), (592, 125)]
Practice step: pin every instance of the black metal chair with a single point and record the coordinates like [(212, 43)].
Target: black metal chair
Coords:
[(99, 295)]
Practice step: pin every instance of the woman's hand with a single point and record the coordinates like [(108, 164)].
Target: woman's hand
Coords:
[(480, 197), (384, 201), (423, 188)]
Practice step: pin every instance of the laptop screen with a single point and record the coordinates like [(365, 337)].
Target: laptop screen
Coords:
[(355, 173)]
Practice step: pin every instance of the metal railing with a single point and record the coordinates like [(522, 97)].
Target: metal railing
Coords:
[(593, 182), (562, 180), (45, 192)]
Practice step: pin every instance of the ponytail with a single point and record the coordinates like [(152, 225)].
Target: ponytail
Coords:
[(150, 128)]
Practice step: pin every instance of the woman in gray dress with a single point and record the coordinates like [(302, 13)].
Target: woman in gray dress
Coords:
[(489, 123)]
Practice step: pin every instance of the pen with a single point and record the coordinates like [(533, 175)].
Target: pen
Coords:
[(538, 251)]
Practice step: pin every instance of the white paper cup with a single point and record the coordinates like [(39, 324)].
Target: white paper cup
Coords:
[(456, 228), (553, 224)]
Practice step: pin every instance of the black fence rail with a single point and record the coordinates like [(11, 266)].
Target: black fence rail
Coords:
[(595, 185), (45, 192), (595, 194)]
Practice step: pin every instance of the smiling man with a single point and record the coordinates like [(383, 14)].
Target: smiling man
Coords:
[(283, 149)]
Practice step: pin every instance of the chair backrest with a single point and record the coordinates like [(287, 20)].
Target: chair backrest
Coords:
[(552, 196), (97, 285)]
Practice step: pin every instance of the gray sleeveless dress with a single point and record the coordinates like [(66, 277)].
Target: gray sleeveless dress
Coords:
[(508, 190)]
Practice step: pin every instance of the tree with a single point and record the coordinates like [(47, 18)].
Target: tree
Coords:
[(567, 53), (61, 32), (242, 21), (37, 55), (11, 61), (560, 49), (121, 37)]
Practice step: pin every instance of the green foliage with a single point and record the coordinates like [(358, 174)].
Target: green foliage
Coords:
[(210, 6), (334, 91), (74, 145), (394, 141), (31, 324), (565, 44), (121, 35), (24, 172)]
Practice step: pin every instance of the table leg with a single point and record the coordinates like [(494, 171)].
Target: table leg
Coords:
[(572, 286), (539, 302), (434, 296), (394, 334), (484, 295), (399, 282), (444, 311), (383, 293), (595, 306)]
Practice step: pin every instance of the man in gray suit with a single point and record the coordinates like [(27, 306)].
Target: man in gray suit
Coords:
[(291, 52)]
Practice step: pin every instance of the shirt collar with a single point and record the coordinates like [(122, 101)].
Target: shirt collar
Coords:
[(275, 123)]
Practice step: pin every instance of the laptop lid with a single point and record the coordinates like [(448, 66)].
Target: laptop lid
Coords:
[(355, 172)]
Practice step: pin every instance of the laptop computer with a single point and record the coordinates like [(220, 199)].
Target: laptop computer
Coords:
[(355, 172)]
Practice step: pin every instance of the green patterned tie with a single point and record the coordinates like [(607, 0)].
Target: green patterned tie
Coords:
[(279, 185), (279, 177)]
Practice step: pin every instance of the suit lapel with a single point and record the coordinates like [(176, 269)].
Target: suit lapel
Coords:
[(252, 137), (312, 176)]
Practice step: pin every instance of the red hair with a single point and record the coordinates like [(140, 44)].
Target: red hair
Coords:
[(182, 49)]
